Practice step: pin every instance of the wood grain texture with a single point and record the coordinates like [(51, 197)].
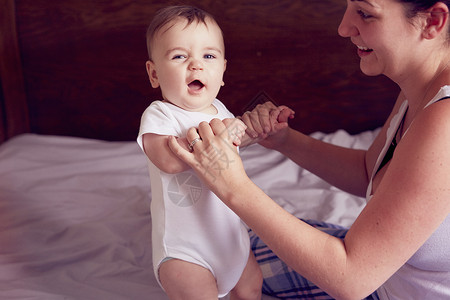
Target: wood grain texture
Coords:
[(83, 64), (13, 106)]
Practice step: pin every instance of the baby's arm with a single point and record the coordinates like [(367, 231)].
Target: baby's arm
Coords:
[(158, 151)]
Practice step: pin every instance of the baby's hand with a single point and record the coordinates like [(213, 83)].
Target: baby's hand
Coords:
[(266, 120), (236, 130)]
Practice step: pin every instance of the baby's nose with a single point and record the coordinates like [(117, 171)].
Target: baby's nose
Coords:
[(196, 64)]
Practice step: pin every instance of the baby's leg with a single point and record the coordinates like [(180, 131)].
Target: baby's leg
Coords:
[(185, 280), (249, 285)]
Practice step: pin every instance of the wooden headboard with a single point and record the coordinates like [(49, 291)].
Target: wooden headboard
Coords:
[(76, 68)]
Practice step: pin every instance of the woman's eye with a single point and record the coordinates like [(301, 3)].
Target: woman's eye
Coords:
[(363, 14)]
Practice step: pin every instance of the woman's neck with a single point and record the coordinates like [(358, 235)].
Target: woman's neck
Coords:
[(425, 86)]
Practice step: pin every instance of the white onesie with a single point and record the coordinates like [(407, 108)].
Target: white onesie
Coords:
[(189, 222)]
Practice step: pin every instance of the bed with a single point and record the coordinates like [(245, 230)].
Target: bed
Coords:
[(74, 186)]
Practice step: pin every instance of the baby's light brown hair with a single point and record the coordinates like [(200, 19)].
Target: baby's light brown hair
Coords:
[(166, 15)]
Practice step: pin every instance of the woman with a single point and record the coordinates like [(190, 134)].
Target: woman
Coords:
[(398, 246)]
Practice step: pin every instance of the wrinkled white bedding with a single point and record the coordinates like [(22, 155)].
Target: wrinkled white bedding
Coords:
[(75, 221)]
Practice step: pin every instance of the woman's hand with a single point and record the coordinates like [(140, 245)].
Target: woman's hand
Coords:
[(267, 124), (236, 130), (213, 157)]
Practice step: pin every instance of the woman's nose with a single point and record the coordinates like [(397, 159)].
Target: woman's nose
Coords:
[(347, 28)]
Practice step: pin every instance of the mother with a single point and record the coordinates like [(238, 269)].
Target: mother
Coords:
[(399, 245)]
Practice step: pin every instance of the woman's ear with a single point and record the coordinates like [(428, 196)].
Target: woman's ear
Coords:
[(436, 20), (152, 76)]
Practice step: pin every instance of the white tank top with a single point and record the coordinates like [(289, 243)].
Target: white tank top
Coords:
[(426, 275)]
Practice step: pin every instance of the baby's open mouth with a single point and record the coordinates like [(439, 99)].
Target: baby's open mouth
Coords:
[(196, 85)]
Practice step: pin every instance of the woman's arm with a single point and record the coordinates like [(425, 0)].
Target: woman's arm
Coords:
[(409, 204), (342, 167), (345, 168)]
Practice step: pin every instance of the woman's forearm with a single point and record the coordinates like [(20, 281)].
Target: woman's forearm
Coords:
[(342, 167), (317, 256)]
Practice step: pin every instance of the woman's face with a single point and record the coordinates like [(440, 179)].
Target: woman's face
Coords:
[(386, 39)]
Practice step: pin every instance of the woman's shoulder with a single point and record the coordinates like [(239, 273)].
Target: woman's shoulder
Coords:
[(436, 115), (430, 131)]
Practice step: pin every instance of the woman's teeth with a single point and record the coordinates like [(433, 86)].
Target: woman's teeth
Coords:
[(364, 48)]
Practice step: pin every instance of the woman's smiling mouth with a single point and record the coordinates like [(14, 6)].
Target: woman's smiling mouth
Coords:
[(363, 51), (364, 48)]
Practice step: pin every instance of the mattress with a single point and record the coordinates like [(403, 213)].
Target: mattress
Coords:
[(75, 220)]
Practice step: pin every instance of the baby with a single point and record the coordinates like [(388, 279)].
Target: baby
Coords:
[(200, 247)]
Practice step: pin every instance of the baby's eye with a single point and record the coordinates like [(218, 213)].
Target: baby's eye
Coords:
[(363, 14), (209, 56), (180, 56)]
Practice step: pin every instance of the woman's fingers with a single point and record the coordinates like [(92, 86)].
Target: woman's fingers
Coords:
[(214, 157), (192, 138), (180, 151), (266, 119), (235, 129), (208, 137), (255, 125), (259, 120)]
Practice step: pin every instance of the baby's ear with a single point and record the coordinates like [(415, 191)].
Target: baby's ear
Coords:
[(152, 76), (436, 21), (224, 69)]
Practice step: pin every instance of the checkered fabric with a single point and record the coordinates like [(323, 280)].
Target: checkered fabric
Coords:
[(281, 281)]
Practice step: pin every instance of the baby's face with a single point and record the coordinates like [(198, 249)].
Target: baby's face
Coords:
[(188, 63)]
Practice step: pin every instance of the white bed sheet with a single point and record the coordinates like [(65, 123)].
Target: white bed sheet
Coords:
[(75, 220)]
